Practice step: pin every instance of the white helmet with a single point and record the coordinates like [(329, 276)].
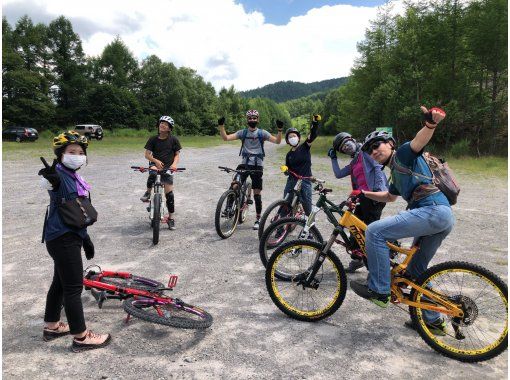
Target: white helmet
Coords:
[(252, 113), (168, 119)]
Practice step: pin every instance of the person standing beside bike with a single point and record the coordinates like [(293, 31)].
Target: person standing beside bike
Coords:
[(366, 174), (162, 151), (252, 152), (429, 216), (299, 161), (64, 245)]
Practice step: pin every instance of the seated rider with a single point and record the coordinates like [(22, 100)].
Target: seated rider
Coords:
[(252, 152), (163, 151), (366, 174), (428, 216), (299, 161)]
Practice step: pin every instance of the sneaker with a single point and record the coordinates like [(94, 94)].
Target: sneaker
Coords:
[(171, 224), (354, 265), (61, 330), (256, 225), (91, 341), (438, 327), (145, 197), (362, 290), (249, 201)]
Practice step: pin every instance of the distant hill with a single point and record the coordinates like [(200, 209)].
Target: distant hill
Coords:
[(288, 90)]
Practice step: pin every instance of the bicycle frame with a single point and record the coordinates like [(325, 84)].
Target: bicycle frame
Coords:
[(158, 189), (357, 229)]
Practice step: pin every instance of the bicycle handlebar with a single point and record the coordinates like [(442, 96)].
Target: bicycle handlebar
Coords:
[(143, 169), (228, 170)]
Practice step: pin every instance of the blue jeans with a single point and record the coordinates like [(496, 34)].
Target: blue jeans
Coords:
[(432, 223), (305, 194)]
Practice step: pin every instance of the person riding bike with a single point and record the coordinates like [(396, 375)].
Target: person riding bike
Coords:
[(299, 161), (64, 244), (163, 151), (429, 213), (366, 174), (252, 152)]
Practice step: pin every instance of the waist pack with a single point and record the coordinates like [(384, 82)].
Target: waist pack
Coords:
[(442, 179), (77, 213)]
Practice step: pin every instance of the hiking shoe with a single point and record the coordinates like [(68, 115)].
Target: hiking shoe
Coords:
[(91, 341), (145, 197), (171, 224), (61, 330), (256, 225), (362, 290), (438, 327), (353, 265)]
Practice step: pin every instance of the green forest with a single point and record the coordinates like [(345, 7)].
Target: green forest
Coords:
[(445, 53)]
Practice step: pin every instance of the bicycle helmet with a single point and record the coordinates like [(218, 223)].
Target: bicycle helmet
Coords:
[(377, 136), (289, 131), (339, 140), (252, 113), (168, 119), (70, 137)]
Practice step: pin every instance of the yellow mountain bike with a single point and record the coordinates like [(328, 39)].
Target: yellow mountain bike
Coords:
[(473, 300)]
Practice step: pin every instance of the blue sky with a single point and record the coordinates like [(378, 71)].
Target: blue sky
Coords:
[(241, 43), (279, 12)]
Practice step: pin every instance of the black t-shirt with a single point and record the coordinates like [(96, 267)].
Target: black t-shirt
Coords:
[(300, 160), (164, 150)]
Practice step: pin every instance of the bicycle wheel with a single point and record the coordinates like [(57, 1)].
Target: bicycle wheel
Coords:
[(244, 203), (227, 214), (276, 210), (172, 312), (482, 333), (311, 303), (156, 218), (133, 282), (284, 230)]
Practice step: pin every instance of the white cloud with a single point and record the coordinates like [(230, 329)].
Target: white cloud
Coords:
[(218, 38)]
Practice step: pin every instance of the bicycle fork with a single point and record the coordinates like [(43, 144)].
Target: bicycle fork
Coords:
[(310, 281)]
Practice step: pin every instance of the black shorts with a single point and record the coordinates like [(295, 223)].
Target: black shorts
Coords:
[(256, 177), (165, 179)]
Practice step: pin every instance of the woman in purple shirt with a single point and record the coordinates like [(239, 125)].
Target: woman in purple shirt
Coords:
[(366, 174)]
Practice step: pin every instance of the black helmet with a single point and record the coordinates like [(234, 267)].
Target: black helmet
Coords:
[(377, 136), (339, 139), (289, 131)]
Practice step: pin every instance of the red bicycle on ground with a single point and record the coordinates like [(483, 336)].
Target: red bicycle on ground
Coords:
[(145, 298)]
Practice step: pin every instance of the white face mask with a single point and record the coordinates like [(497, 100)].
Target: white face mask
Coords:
[(349, 147), (293, 140), (74, 161)]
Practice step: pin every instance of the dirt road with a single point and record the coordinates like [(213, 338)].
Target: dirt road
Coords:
[(250, 338)]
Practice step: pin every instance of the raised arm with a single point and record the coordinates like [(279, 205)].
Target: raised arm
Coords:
[(432, 118), (278, 138), (314, 129)]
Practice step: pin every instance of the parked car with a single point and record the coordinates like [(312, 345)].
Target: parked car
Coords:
[(91, 131), (20, 134)]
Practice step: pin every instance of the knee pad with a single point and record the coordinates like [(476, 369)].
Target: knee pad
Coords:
[(170, 201), (151, 180), (258, 203)]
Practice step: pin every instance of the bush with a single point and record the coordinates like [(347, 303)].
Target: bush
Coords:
[(460, 149)]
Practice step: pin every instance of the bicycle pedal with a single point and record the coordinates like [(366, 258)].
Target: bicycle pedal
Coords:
[(172, 281)]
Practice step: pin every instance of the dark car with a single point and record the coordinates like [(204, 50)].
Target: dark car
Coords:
[(20, 134), (90, 131)]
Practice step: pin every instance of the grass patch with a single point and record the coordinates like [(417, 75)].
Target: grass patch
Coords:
[(110, 145)]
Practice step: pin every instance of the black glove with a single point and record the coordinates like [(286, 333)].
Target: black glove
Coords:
[(279, 125), (221, 120), (332, 153), (315, 120), (50, 173), (88, 247)]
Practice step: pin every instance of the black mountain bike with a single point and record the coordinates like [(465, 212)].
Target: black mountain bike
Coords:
[(233, 204)]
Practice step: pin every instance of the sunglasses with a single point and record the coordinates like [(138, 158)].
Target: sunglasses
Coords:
[(374, 146)]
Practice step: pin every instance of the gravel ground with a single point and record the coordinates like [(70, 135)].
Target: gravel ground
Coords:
[(250, 338)]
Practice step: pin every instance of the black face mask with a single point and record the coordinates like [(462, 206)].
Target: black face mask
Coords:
[(253, 124)]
